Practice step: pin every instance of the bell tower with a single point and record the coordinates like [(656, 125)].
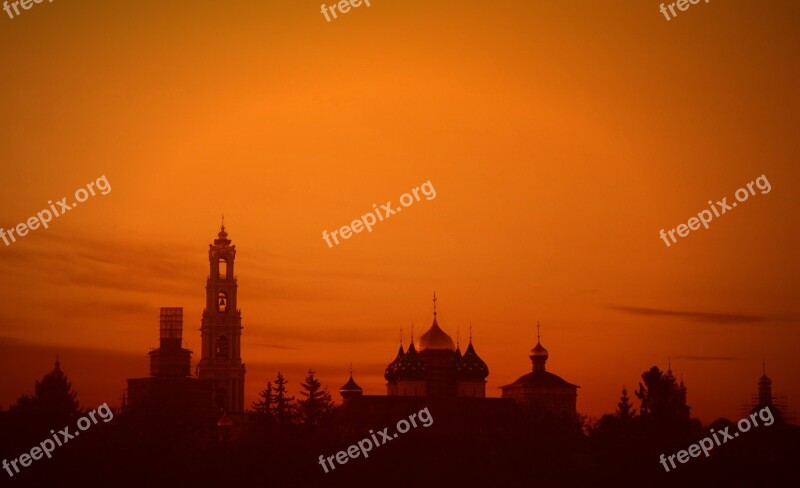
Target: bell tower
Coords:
[(221, 328)]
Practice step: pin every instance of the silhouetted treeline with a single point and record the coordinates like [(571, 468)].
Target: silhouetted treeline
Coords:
[(278, 445)]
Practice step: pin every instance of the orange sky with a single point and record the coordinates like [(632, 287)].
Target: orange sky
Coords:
[(561, 137)]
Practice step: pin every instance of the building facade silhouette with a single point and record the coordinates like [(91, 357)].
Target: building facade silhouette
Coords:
[(438, 369), (540, 390), (221, 329), (778, 404), (169, 390)]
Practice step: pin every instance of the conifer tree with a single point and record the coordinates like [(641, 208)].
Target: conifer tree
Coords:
[(661, 400), (625, 411), (317, 405), (263, 406), (283, 409), (53, 398)]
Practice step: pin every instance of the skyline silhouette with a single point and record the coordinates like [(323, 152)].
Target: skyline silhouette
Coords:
[(584, 201), (366, 373)]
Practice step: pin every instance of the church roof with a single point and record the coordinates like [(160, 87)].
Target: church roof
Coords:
[(539, 351), (351, 386), (542, 379), (411, 366), (436, 338), (471, 366), (222, 236), (391, 371)]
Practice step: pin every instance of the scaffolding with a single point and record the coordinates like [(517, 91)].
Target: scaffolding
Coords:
[(172, 323), (170, 359), (777, 402)]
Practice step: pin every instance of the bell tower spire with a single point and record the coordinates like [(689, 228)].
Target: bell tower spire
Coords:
[(221, 327)]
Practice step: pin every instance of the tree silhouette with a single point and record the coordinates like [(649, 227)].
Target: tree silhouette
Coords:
[(263, 406), (617, 443), (625, 411), (663, 403), (284, 406), (53, 399), (317, 405)]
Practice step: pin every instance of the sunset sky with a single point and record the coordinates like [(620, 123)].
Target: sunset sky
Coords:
[(560, 138)]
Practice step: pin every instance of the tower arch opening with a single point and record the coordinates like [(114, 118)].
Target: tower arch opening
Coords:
[(222, 302)]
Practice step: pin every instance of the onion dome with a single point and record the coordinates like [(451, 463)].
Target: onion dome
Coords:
[(539, 378), (538, 354), (351, 388), (435, 337), (411, 366), (471, 366), (391, 371)]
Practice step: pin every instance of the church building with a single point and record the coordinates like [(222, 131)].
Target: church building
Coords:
[(218, 387), (541, 390), (438, 369), (221, 329)]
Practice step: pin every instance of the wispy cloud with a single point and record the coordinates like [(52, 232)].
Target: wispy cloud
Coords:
[(102, 262), (708, 358), (705, 317)]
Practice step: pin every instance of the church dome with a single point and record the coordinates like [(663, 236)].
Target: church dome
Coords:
[(350, 388), (391, 371), (539, 352), (436, 338), (471, 366), (411, 366)]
